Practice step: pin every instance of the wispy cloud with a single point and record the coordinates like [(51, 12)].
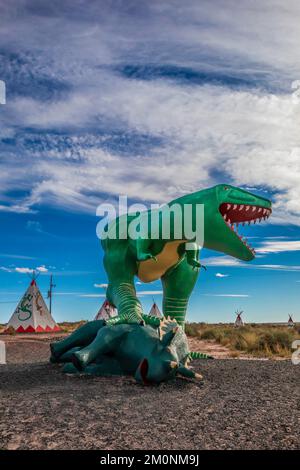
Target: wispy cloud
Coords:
[(101, 286), (233, 263), (15, 256), (222, 261), (91, 296), (22, 270), (34, 226), (147, 100), (278, 246), (221, 275), (149, 292), (227, 295)]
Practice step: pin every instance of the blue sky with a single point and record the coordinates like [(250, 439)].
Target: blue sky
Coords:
[(153, 100)]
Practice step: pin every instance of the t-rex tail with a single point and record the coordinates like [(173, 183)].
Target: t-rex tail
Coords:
[(198, 355)]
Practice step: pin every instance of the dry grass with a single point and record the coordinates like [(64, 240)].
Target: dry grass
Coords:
[(261, 340), (68, 327)]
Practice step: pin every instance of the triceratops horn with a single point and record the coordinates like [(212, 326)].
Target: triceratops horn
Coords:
[(188, 373), (167, 338), (173, 364)]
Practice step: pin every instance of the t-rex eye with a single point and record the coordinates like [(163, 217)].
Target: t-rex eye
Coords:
[(226, 188)]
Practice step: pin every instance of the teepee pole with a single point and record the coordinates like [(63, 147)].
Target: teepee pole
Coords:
[(50, 293)]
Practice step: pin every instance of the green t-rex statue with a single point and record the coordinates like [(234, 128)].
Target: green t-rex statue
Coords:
[(158, 350), (157, 257)]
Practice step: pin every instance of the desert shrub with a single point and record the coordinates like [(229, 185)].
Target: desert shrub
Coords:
[(191, 329), (274, 342), (297, 329), (262, 340)]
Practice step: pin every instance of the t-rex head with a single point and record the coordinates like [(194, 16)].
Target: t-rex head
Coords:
[(161, 364), (225, 208)]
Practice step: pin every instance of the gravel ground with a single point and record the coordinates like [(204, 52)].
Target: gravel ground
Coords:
[(239, 405)]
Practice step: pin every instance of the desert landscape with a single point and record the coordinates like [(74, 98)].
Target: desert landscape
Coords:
[(240, 404)]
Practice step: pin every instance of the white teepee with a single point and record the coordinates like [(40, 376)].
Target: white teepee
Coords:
[(32, 314), (239, 321), (107, 310), (155, 312), (290, 322)]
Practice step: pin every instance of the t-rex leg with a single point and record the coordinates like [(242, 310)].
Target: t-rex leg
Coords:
[(84, 335), (178, 284), (121, 290)]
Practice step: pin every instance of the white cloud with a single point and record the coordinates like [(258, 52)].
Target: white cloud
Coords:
[(233, 263), (278, 246), (14, 256), (101, 286), (24, 270), (245, 133), (3, 268), (222, 261), (92, 296), (149, 292), (42, 269), (221, 275), (227, 295)]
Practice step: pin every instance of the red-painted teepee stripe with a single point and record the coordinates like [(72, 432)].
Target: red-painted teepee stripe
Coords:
[(39, 329), (29, 329)]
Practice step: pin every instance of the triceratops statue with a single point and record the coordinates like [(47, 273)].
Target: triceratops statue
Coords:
[(151, 355)]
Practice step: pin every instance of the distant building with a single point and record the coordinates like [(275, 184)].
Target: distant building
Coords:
[(106, 311), (238, 322), (154, 311)]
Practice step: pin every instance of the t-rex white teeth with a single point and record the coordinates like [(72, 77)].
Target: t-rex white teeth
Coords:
[(234, 206), (228, 206), (241, 207), (224, 216), (247, 208), (265, 210), (253, 208), (259, 209)]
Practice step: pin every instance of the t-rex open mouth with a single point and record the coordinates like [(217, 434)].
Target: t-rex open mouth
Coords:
[(235, 214)]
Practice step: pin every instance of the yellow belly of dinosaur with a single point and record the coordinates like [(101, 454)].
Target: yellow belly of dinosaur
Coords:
[(150, 270)]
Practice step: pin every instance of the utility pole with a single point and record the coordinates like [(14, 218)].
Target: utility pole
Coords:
[(50, 293)]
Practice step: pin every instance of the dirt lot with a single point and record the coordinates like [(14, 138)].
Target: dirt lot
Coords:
[(244, 404)]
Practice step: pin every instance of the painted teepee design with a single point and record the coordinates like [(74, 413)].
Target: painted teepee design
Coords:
[(155, 312), (107, 310), (32, 314), (290, 322), (239, 321)]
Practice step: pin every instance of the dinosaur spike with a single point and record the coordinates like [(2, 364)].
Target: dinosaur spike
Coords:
[(169, 336), (198, 376)]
